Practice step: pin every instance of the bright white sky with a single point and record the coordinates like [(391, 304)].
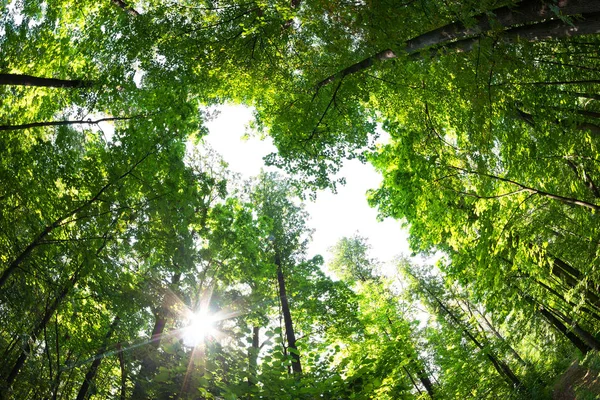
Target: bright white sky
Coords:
[(332, 215)]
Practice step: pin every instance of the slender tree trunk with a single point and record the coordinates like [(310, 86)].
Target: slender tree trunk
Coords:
[(585, 177), (457, 36), (572, 277), (502, 368), (501, 338), (412, 380), (28, 80), (49, 312), (287, 318), (149, 365), (64, 123), (585, 336), (93, 370), (592, 313), (12, 267), (123, 394), (253, 356), (559, 326)]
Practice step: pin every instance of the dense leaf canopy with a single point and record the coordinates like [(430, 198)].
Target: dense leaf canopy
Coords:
[(134, 264)]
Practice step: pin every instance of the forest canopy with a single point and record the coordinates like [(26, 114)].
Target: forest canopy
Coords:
[(135, 265)]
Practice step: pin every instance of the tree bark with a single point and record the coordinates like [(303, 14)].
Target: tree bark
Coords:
[(49, 312), (149, 365), (501, 367), (28, 80), (93, 370), (253, 356), (287, 318), (559, 326), (128, 9), (458, 37), (64, 123), (583, 334), (424, 378)]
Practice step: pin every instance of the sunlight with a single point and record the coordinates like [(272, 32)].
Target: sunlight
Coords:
[(201, 326)]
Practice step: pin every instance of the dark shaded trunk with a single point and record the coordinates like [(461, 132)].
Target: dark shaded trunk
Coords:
[(149, 365), (58, 222), (559, 326), (572, 278), (501, 367), (458, 37), (123, 394), (424, 378), (500, 337), (412, 380), (63, 123), (582, 333), (592, 313), (128, 9), (28, 80), (591, 96), (287, 319), (93, 370), (253, 356)]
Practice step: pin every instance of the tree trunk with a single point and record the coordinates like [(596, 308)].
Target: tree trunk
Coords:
[(287, 318), (93, 370), (591, 312), (28, 80), (585, 336), (457, 36), (46, 318), (123, 394), (128, 9), (149, 365), (525, 188), (63, 123), (502, 368), (253, 356), (559, 326), (424, 378)]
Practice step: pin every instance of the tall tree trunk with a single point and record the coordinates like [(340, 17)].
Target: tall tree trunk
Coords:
[(412, 380), (559, 326), (501, 367), (424, 378), (586, 336), (253, 356), (28, 80), (123, 394), (149, 365), (531, 14), (41, 325), (591, 312), (12, 267), (287, 318), (93, 370), (64, 123), (572, 278)]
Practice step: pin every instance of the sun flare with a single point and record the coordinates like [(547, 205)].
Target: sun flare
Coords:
[(200, 327)]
